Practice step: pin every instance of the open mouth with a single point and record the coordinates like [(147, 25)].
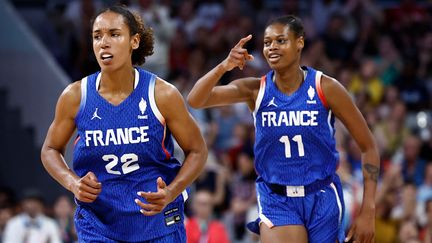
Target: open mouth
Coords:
[(106, 57), (274, 57)]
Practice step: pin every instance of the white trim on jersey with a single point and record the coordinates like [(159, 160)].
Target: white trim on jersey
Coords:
[(152, 100), (329, 122), (136, 80), (259, 98), (262, 217), (98, 78), (338, 202), (83, 93), (260, 95)]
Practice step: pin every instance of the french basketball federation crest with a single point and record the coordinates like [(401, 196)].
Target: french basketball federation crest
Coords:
[(142, 107), (311, 94)]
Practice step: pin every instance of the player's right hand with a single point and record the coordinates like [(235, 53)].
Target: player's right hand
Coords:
[(87, 188), (238, 55)]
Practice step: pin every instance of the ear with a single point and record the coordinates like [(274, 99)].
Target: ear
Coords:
[(135, 40), (300, 43)]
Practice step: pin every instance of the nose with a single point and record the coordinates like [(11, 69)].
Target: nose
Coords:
[(105, 42), (273, 45)]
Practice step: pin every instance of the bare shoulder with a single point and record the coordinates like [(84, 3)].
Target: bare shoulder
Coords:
[(69, 100), (336, 95), (332, 88), (166, 92)]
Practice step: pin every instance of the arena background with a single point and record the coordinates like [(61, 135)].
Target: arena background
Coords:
[(381, 51)]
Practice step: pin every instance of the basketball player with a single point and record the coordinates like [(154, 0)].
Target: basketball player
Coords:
[(294, 108), (126, 182)]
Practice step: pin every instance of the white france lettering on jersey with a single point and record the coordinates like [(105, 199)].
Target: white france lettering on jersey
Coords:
[(119, 136), (290, 118)]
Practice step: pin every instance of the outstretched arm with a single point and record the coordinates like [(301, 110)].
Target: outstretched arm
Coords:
[(87, 188), (187, 134), (205, 93), (344, 108)]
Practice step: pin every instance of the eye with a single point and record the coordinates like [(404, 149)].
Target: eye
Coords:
[(115, 35), (281, 41), (96, 37), (266, 43)]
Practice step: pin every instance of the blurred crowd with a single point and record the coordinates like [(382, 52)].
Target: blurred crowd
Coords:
[(381, 51)]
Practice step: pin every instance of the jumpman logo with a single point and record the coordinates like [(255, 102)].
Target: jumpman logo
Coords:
[(272, 102), (95, 115)]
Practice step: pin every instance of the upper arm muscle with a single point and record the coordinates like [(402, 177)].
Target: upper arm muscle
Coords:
[(63, 125), (240, 90), (344, 108), (178, 119)]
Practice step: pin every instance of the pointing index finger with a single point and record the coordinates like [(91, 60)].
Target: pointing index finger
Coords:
[(243, 41)]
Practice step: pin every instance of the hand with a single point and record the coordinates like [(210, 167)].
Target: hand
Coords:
[(238, 55), (156, 201), (363, 229), (87, 188)]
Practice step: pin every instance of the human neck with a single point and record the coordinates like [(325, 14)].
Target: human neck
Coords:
[(289, 80), (121, 80)]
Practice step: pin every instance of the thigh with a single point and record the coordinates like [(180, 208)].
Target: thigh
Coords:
[(178, 236), (283, 234)]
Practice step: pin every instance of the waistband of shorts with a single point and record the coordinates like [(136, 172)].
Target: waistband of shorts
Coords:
[(308, 189)]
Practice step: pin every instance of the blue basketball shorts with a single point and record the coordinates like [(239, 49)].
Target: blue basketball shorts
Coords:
[(320, 212), (88, 234)]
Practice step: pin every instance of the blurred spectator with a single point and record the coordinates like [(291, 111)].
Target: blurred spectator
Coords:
[(386, 228), (32, 225), (6, 213), (202, 227), (243, 194), (408, 232), (426, 232), (367, 83), (405, 209), (413, 166), (391, 132), (412, 90), (157, 16), (225, 121), (64, 215), (388, 61), (80, 14)]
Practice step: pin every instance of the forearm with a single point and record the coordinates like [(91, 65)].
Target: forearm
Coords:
[(54, 163), (200, 93), (370, 167), (190, 170)]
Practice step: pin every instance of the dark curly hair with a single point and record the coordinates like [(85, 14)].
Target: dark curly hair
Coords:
[(136, 26)]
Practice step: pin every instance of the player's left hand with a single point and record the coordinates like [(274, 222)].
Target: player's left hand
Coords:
[(156, 201), (363, 229)]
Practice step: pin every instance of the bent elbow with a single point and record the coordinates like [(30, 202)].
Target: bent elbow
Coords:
[(192, 102)]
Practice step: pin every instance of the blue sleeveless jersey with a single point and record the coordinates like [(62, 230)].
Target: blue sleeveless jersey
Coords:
[(294, 142), (128, 147)]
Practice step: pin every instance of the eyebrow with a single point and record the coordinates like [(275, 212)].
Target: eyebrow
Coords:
[(275, 36), (110, 30)]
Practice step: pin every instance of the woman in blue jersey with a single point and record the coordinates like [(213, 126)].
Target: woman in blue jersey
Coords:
[(126, 182), (294, 107)]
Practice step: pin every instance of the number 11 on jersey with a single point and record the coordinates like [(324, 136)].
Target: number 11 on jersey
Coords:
[(286, 141)]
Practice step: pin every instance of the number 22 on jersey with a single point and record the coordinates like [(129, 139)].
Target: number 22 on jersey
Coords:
[(286, 141), (128, 163)]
